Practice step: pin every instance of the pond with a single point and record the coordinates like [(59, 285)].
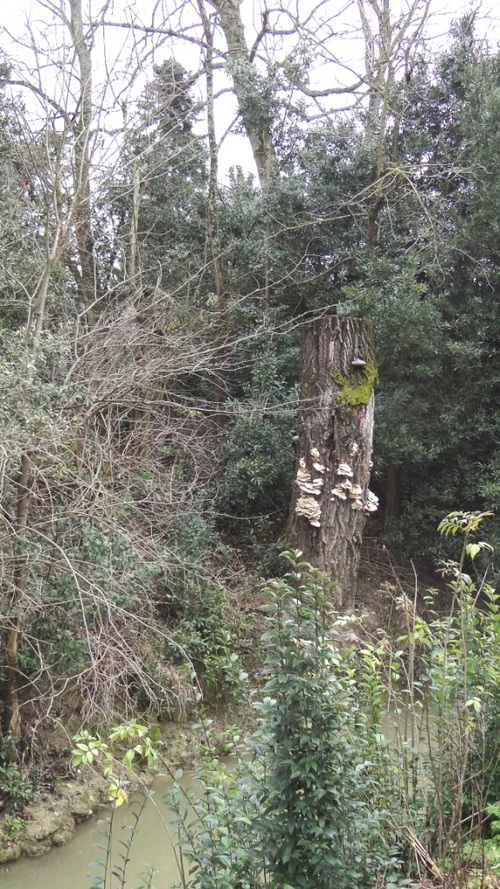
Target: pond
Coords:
[(70, 866)]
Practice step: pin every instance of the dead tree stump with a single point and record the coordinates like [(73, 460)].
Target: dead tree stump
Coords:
[(332, 497)]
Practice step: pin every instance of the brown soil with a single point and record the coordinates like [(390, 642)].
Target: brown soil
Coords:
[(51, 819)]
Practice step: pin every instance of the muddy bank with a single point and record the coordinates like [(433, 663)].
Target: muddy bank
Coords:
[(51, 820)]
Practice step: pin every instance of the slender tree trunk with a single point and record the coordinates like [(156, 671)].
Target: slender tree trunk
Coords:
[(392, 504), (332, 499), (134, 266), (213, 212), (86, 280)]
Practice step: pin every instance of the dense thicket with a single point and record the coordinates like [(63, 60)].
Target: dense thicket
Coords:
[(437, 324), (149, 427)]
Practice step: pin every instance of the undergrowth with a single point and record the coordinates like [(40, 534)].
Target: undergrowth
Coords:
[(375, 763)]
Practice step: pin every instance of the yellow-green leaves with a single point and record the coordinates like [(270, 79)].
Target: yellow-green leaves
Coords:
[(465, 523), (90, 749)]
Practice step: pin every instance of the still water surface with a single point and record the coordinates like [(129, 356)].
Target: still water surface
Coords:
[(69, 867)]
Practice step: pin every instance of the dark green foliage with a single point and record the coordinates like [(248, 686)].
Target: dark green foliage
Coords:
[(206, 637), (257, 459), (436, 313), (306, 811), (430, 284), (257, 453), (17, 787)]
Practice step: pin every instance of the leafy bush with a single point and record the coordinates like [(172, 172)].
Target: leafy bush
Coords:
[(257, 459), (305, 810), (205, 636), (257, 453), (17, 788)]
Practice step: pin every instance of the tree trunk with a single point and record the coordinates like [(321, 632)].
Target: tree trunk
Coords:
[(392, 504), (212, 208), (82, 209), (258, 130), (332, 499)]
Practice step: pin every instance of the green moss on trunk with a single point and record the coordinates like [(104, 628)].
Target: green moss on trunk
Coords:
[(357, 388)]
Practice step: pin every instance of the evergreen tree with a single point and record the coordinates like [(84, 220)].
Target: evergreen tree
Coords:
[(430, 283), (161, 204), (437, 429)]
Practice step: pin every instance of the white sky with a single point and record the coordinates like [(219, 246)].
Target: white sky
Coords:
[(31, 37)]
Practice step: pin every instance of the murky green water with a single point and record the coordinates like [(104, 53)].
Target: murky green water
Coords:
[(69, 867)]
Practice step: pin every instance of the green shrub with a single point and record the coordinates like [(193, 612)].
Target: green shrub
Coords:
[(257, 473), (303, 807), (17, 788), (205, 636)]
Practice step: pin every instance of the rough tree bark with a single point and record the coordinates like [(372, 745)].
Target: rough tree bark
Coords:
[(258, 131), (332, 498)]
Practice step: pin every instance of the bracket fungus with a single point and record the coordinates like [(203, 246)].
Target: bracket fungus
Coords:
[(305, 481), (355, 492), (371, 504), (345, 489), (339, 492), (345, 469), (308, 504), (310, 509), (341, 489)]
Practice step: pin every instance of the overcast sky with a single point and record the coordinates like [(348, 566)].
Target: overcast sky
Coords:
[(121, 70)]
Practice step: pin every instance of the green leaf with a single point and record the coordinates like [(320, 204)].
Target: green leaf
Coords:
[(472, 549)]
